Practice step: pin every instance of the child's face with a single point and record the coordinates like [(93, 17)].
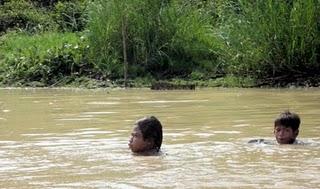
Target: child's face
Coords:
[(285, 135), (137, 143)]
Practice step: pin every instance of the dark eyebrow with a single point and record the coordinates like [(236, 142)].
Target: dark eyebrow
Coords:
[(135, 134)]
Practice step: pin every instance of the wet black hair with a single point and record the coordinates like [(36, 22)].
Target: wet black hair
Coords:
[(151, 129), (288, 119)]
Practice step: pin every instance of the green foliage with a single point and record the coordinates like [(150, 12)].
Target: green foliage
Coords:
[(44, 3), (70, 16), (163, 39), (47, 63), (13, 42), (271, 39), (102, 38), (21, 15), (233, 81), (49, 4), (193, 43)]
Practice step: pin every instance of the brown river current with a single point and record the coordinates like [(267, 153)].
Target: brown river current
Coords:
[(77, 138)]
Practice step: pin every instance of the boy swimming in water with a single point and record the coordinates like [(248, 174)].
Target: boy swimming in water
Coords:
[(146, 137), (286, 128)]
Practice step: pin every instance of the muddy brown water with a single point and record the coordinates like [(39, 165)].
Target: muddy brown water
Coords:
[(77, 138)]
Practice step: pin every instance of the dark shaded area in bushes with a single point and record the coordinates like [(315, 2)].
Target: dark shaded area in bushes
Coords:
[(21, 15), (42, 16)]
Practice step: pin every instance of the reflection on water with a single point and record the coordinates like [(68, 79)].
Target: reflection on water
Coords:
[(64, 138)]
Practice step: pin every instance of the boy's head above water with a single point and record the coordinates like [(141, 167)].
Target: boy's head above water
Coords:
[(286, 127), (146, 135)]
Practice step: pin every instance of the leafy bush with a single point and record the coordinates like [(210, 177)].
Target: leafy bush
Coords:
[(70, 16), (24, 16), (45, 3), (34, 63), (49, 4)]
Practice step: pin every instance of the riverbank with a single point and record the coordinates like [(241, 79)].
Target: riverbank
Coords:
[(96, 44), (172, 84)]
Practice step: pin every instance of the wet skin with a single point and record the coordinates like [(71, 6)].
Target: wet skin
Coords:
[(137, 144), (285, 135)]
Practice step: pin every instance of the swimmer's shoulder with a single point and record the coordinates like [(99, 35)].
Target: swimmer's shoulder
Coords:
[(260, 141), (299, 142)]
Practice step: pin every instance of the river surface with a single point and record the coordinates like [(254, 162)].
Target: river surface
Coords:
[(76, 138)]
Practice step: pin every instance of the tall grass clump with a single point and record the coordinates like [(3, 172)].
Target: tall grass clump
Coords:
[(192, 43), (273, 40), (105, 37), (158, 39)]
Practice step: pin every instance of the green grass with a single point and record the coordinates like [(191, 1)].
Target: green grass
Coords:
[(24, 44), (42, 59), (163, 39), (273, 39)]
